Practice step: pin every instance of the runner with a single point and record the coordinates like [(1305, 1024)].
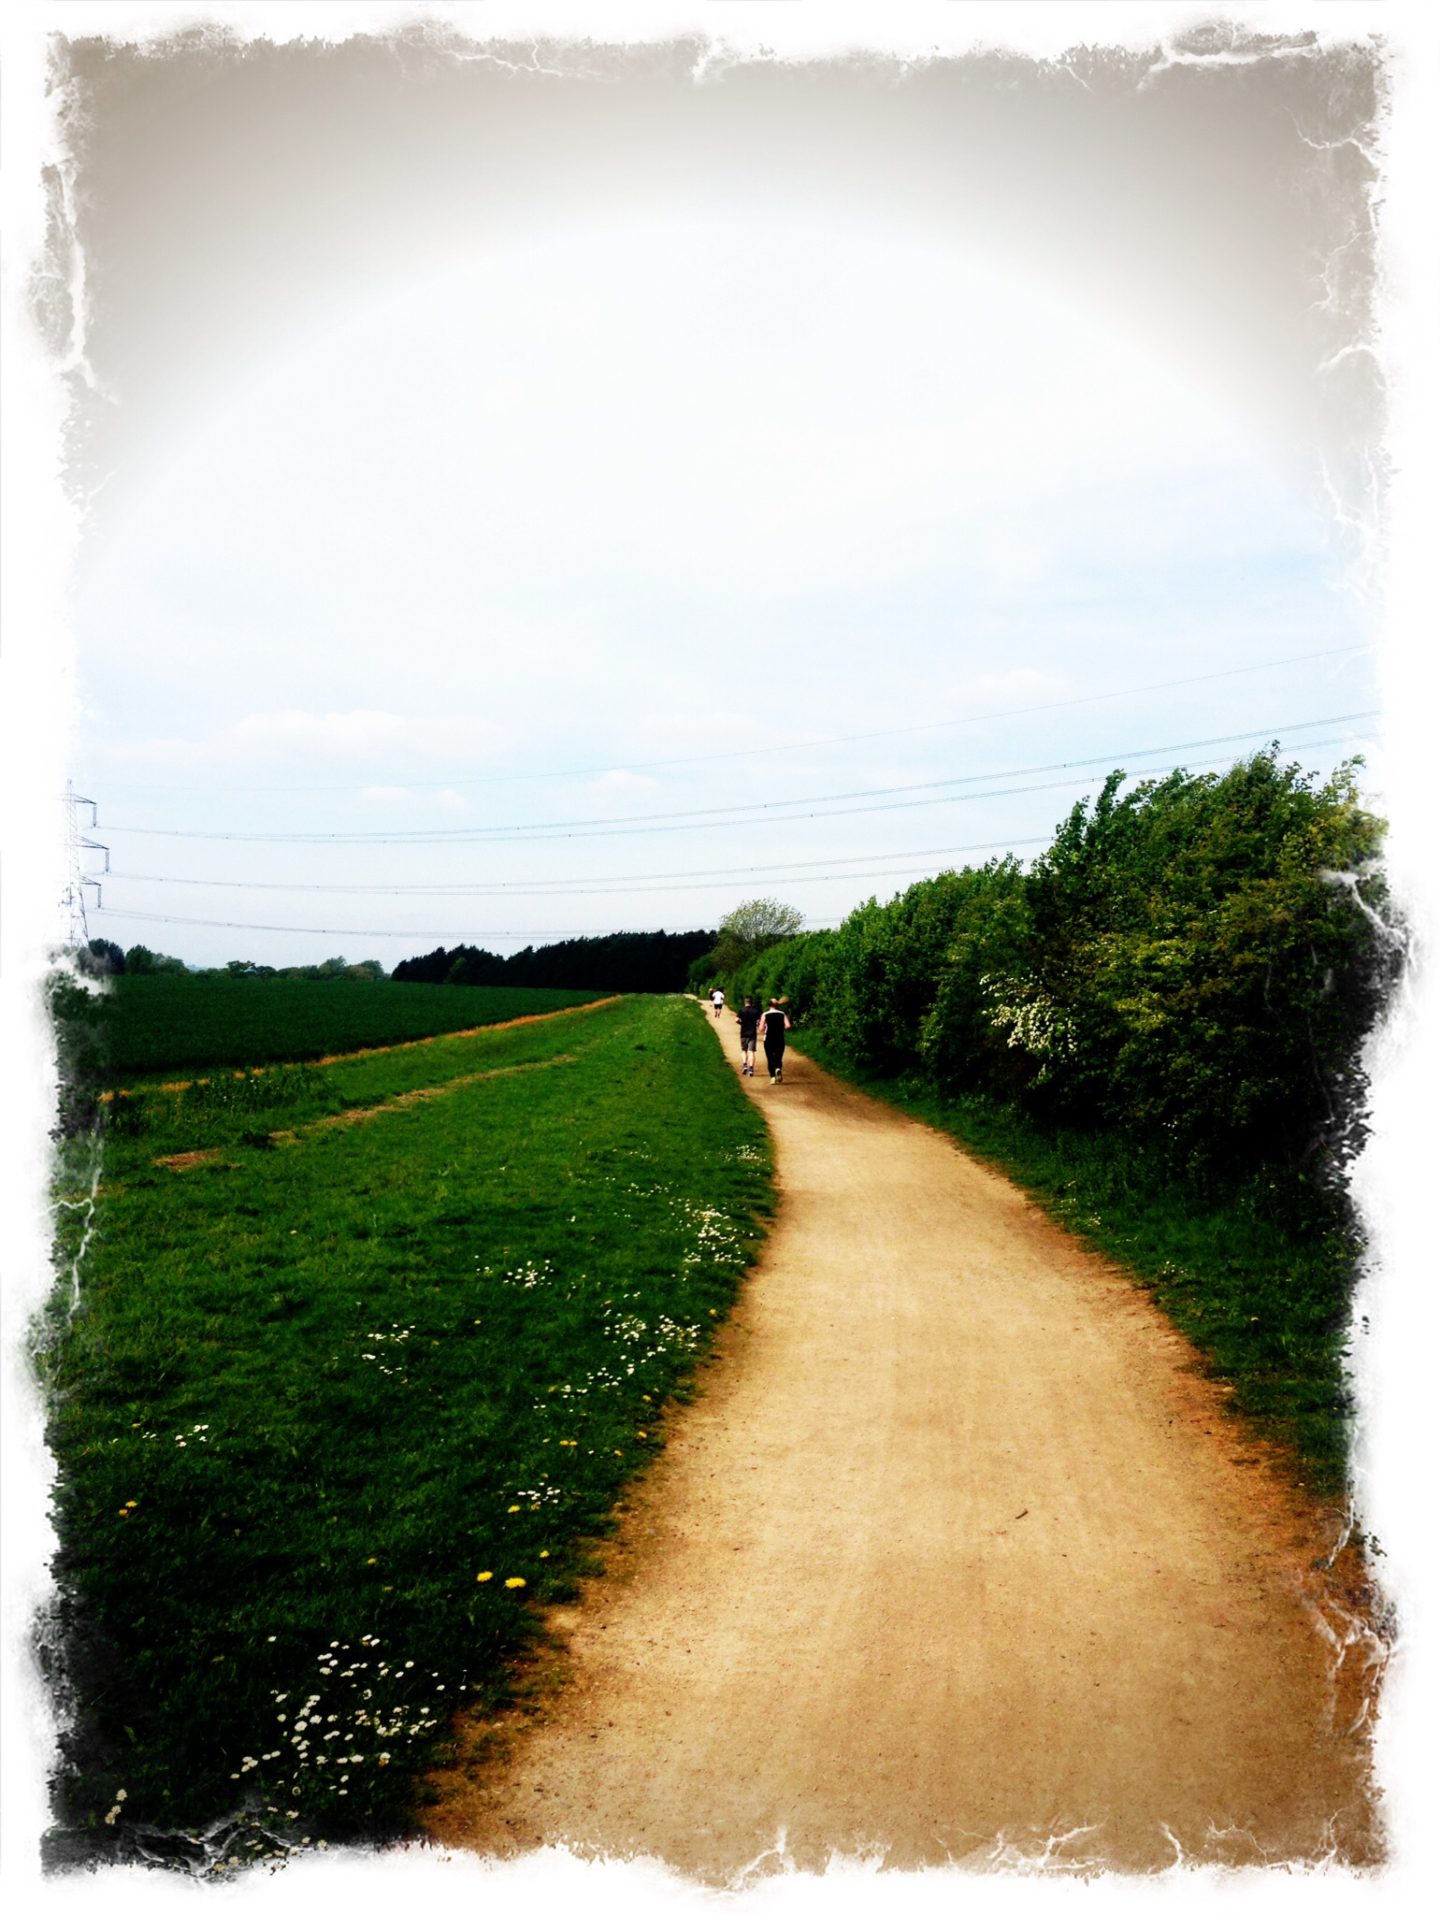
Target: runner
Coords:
[(748, 1018), (717, 1000), (776, 1025)]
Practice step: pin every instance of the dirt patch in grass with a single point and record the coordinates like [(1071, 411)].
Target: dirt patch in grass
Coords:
[(427, 1093), (510, 1024)]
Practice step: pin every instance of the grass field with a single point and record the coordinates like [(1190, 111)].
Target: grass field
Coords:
[(339, 1405), (1267, 1307), (146, 1025)]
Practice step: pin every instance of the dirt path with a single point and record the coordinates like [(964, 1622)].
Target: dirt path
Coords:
[(955, 1556)]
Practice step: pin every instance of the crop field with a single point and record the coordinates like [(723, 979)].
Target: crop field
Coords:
[(346, 1367), (145, 1025)]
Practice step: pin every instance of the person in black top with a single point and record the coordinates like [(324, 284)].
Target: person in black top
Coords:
[(776, 1024), (748, 1017)]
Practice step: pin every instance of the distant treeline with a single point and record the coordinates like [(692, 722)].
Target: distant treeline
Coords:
[(101, 957), (624, 961), (1193, 966)]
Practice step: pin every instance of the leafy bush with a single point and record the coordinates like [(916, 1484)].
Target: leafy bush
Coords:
[(1195, 964), (791, 969)]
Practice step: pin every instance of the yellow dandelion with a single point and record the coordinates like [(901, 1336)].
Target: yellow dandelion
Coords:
[(485, 1575), (370, 1560), (512, 1509), (544, 1552), (514, 1582), (132, 1504), (642, 1435)]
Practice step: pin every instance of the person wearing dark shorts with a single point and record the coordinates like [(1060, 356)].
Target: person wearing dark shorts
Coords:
[(776, 1024), (748, 1017)]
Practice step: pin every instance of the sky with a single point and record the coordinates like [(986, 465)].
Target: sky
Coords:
[(530, 440), (539, 495)]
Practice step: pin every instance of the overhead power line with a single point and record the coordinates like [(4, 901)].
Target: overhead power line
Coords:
[(565, 887), (548, 932), (470, 934), (610, 890), (780, 809), (802, 744)]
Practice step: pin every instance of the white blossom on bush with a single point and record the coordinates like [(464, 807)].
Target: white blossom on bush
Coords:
[(1030, 1018)]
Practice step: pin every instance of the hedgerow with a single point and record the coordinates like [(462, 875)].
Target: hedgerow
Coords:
[(1194, 963)]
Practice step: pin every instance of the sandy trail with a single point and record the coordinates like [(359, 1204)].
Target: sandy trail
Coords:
[(955, 1557)]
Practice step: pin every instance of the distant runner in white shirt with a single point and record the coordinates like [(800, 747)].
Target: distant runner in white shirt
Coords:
[(717, 1000)]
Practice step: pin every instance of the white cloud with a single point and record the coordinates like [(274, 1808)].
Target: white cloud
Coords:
[(385, 795), (626, 781), (412, 795)]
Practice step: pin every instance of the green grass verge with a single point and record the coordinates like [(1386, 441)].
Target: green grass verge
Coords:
[(223, 1106), (143, 1025), (1266, 1307), (334, 1419)]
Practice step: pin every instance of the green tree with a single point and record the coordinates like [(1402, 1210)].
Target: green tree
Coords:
[(750, 928), (101, 958)]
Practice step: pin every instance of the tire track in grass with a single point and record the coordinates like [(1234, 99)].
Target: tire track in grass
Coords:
[(424, 1093)]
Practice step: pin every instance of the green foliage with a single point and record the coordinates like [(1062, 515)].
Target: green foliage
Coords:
[(748, 930), (320, 1405), (962, 1042), (792, 970), (1195, 964), (141, 961), (701, 974), (618, 961), (1212, 953), (101, 958), (331, 967)]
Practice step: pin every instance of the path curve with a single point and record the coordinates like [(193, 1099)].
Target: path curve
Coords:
[(955, 1557)]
